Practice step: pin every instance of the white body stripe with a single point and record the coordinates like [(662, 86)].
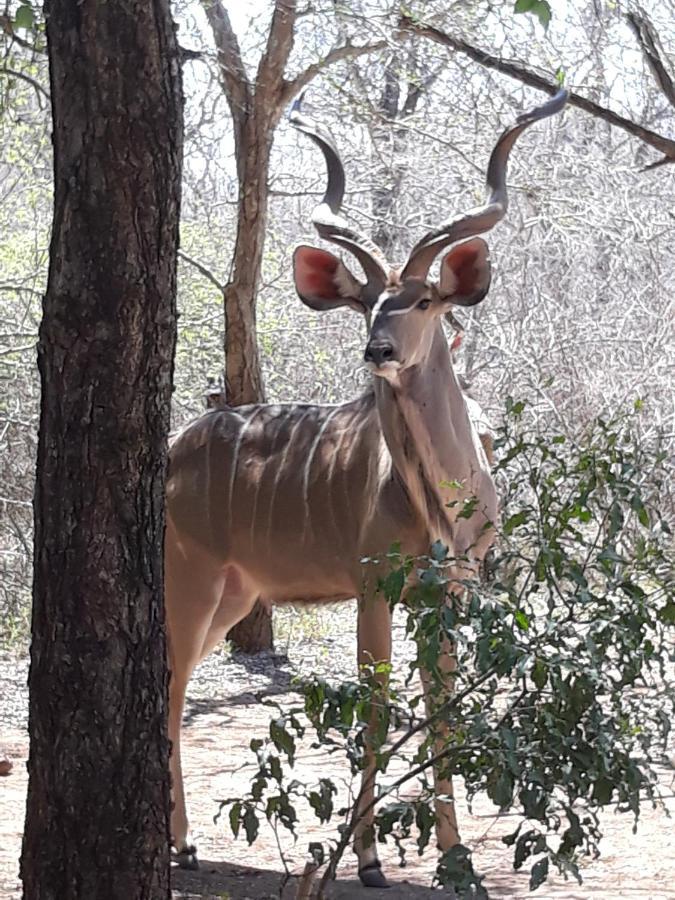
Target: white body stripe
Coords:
[(235, 459), (308, 467), (282, 463)]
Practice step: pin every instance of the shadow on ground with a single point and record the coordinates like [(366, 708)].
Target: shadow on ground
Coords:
[(215, 880)]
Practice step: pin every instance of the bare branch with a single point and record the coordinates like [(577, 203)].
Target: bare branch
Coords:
[(39, 90), (348, 51), (186, 54), (9, 350), (526, 76), (657, 60), (21, 288), (203, 270), (235, 81), (7, 26)]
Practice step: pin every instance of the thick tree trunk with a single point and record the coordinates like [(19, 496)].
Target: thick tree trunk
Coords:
[(98, 798), (243, 375)]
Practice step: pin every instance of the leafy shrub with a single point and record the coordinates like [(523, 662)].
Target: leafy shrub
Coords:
[(563, 692)]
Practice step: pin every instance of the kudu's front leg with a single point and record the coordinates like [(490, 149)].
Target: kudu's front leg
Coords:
[(374, 646)]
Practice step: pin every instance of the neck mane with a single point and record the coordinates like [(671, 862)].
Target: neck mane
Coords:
[(435, 451)]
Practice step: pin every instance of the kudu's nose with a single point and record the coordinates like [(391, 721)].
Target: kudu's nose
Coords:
[(379, 352)]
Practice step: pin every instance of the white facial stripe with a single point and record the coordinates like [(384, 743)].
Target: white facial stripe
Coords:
[(381, 300), (400, 312), (378, 308)]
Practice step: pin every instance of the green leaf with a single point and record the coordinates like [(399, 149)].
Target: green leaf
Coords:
[(24, 17), (609, 554), (577, 575), (543, 12), (250, 824), (321, 801), (634, 591), (234, 815), (667, 613), (393, 584), (517, 408), (282, 739), (539, 674), (500, 789), (515, 520), (602, 791), (539, 8), (615, 520), (538, 873), (456, 869), (468, 508), (522, 620), (425, 820), (527, 845), (638, 506)]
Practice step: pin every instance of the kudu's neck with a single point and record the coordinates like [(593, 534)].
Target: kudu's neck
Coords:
[(434, 449)]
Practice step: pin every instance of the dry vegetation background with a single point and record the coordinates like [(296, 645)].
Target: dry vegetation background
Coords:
[(579, 320)]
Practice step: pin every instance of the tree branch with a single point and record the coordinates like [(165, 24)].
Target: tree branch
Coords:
[(7, 26), (235, 81), (29, 80), (417, 90), (270, 75), (650, 44), (203, 270), (291, 88), (526, 76)]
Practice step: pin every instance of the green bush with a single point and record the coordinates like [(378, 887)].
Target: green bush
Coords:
[(563, 694)]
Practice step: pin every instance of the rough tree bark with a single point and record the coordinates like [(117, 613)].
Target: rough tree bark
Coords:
[(97, 819), (256, 105)]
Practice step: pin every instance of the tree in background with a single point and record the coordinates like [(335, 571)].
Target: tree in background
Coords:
[(256, 105), (98, 799)]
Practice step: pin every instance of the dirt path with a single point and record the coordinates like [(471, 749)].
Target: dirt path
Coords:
[(223, 715)]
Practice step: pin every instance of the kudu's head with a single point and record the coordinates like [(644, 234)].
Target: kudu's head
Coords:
[(403, 306)]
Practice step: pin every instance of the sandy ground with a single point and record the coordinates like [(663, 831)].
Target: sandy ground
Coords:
[(225, 711)]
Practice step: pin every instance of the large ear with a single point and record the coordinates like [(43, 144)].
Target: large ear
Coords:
[(465, 273), (323, 281)]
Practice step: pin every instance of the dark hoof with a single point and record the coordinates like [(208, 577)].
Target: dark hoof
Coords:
[(187, 858), (371, 875)]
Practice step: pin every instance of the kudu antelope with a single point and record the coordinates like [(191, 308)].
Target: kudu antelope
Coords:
[(285, 501)]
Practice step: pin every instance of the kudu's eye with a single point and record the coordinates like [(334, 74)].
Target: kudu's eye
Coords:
[(424, 304)]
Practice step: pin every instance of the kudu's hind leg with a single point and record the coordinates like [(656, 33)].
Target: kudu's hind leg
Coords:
[(374, 646), (193, 589)]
